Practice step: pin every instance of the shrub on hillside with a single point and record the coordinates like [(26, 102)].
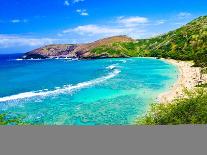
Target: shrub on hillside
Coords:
[(189, 110)]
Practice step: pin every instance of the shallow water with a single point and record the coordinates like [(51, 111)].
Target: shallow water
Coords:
[(93, 92)]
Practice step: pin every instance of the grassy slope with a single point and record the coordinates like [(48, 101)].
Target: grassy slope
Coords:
[(186, 43)]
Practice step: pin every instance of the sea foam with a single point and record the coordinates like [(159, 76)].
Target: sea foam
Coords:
[(111, 67), (65, 89)]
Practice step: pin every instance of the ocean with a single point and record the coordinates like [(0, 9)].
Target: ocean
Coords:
[(82, 92)]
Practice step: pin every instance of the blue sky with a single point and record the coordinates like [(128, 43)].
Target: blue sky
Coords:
[(28, 24)]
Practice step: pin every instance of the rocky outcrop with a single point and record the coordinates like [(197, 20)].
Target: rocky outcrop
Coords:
[(82, 51)]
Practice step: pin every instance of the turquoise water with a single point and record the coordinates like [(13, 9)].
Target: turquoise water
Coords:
[(86, 92)]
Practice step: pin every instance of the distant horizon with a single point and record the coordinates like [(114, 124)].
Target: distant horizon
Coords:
[(27, 25)]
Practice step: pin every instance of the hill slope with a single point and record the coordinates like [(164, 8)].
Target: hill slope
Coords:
[(186, 43), (74, 50)]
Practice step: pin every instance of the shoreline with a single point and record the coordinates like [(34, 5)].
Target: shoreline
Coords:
[(189, 78)]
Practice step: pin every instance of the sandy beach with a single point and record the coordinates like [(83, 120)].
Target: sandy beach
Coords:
[(188, 78)]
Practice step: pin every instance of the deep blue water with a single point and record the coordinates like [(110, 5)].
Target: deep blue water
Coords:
[(86, 92)]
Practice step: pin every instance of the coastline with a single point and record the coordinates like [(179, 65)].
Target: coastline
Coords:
[(189, 78)]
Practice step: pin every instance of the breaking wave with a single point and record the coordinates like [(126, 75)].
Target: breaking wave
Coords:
[(111, 67), (65, 89)]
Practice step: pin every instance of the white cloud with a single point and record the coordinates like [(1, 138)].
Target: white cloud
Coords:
[(15, 21), (132, 26), (8, 41), (66, 3), (82, 12), (184, 15), (77, 1), (132, 21), (160, 22), (19, 21), (104, 31), (93, 30)]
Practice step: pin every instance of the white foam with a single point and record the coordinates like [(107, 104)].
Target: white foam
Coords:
[(19, 59), (65, 89), (32, 59), (26, 59), (75, 59), (111, 67)]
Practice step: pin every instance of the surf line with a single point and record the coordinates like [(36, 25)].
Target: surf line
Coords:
[(65, 89)]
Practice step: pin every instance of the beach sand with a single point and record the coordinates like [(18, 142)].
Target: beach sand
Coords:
[(188, 78)]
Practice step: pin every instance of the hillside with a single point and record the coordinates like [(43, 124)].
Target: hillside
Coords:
[(74, 50), (186, 43)]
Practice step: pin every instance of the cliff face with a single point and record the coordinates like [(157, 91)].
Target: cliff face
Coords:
[(74, 50)]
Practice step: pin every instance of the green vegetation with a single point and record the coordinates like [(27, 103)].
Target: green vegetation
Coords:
[(202, 85), (189, 110), (204, 70), (6, 119), (186, 43)]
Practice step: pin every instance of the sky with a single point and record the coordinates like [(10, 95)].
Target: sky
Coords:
[(29, 24)]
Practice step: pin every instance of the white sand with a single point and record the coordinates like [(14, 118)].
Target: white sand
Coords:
[(189, 77)]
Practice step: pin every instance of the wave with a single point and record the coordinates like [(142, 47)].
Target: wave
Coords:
[(123, 61), (27, 59), (65, 89), (19, 59), (111, 67), (32, 59)]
